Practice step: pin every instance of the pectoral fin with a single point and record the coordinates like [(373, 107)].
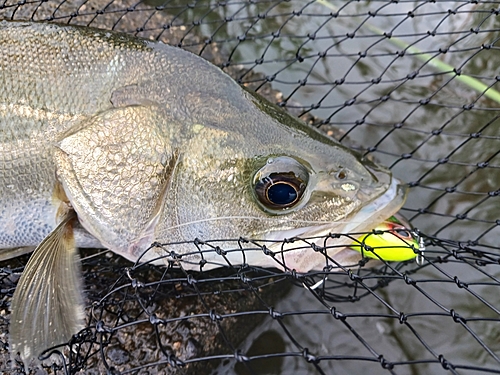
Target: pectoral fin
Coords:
[(47, 306)]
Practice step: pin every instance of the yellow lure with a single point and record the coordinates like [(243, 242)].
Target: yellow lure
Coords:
[(390, 241)]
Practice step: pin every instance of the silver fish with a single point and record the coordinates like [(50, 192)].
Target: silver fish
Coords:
[(115, 142)]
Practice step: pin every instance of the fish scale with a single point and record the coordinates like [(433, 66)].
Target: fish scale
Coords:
[(108, 140)]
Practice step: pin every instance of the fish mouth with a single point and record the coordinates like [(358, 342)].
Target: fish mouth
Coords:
[(324, 235)]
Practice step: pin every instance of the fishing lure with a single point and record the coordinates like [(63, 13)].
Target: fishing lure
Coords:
[(394, 240)]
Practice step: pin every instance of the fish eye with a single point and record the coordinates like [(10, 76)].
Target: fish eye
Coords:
[(280, 183), (279, 190), (403, 233)]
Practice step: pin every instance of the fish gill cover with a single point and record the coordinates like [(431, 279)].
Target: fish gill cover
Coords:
[(411, 84)]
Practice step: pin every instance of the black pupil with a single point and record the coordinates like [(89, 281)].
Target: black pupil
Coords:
[(281, 194), (403, 233)]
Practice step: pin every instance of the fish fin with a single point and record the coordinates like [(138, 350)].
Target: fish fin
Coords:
[(47, 306), (115, 170), (6, 254)]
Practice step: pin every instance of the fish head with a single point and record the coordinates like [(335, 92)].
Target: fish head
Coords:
[(263, 174), (205, 159)]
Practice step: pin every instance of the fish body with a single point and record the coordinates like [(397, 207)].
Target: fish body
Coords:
[(112, 141)]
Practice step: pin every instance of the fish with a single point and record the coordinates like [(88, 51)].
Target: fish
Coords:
[(112, 141)]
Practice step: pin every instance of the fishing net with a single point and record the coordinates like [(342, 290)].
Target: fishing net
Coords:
[(411, 84)]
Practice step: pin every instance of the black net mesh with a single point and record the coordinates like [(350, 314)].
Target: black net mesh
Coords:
[(412, 84)]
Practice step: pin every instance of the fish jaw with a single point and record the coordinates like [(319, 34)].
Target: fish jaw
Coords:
[(333, 250), (291, 249)]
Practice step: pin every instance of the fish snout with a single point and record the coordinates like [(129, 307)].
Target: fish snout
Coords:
[(362, 183), (379, 182)]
